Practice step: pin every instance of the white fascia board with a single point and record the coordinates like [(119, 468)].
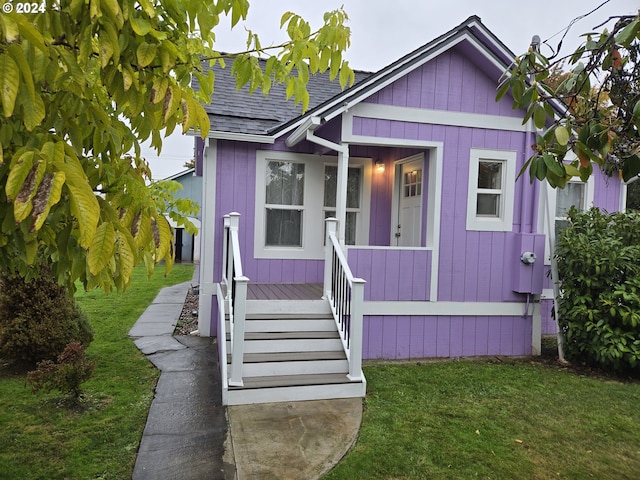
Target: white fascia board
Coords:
[(242, 137)]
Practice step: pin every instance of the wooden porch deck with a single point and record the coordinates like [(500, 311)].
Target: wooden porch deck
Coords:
[(284, 291)]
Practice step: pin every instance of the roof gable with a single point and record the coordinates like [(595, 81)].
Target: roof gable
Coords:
[(235, 111)]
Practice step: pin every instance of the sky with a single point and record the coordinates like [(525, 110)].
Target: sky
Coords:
[(383, 31)]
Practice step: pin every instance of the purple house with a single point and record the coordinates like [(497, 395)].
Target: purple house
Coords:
[(384, 223)]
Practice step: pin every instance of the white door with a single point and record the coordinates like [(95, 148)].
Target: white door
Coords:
[(409, 200)]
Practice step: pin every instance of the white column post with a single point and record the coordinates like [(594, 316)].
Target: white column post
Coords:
[(225, 248), (331, 224), (207, 236), (341, 193), (355, 336)]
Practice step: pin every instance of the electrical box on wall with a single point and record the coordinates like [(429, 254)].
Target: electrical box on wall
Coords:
[(527, 272)]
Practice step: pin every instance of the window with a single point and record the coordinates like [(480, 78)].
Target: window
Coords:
[(295, 193), (284, 203), (354, 181), (491, 190), (575, 193)]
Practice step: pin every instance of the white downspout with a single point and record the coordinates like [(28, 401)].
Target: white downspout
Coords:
[(305, 132)]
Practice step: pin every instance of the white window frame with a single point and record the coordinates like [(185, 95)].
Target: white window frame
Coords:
[(313, 205), (503, 222)]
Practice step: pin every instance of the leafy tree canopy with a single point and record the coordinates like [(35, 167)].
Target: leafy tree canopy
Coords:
[(593, 111), (82, 84)]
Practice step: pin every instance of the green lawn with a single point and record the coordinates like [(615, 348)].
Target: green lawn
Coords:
[(494, 420), (41, 439)]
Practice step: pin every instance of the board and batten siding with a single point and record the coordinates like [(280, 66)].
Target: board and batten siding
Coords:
[(394, 274), (404, 337)]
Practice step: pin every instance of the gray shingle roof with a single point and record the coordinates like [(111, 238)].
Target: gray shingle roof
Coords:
[(236, 111)]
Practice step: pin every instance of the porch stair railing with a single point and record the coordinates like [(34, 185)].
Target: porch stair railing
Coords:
[(281, 350), (234, 289), (345, 294)]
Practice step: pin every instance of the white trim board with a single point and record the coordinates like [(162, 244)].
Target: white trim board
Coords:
[(437, 117), (458, 309)]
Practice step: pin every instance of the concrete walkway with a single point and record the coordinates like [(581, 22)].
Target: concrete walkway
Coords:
[(187, 435)]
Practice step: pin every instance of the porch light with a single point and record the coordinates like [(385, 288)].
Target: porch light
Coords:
[(379, 166)]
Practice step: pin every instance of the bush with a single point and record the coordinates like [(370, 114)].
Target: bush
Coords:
[(599, 266), (39, 319), (67, 375)]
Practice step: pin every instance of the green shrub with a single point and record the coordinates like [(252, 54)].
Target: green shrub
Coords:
[(38, 319), (599, 266), (67, 375)]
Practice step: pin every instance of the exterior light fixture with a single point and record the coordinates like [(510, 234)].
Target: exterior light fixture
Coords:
[(379, 166)]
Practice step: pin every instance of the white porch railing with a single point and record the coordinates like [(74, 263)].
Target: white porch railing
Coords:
[(235, 299), (346, 296)]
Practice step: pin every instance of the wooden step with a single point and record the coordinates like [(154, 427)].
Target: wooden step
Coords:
[(242, 396), (295, 335), (292, 381), (291, 357)]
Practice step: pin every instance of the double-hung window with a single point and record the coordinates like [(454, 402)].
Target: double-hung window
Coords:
[(354, 182), (284, 203), (491, 190), (294, 194)]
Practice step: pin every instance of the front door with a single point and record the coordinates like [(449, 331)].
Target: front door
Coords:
[(408, 218)]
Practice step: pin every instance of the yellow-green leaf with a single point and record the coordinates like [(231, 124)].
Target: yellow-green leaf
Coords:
[(31, 249), (112, 7), (145, 53), (22, 205), (10, 28), (101, 249), (17, 54), (18, 174), (562, 135), (140, 26), (34, 112), (126, 257), (9, 82), (29, 32)]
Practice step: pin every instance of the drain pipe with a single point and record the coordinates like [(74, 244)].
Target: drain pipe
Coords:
[(306, 132)]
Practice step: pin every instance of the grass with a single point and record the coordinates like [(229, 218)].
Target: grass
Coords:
[(43, 439), (494, 420)]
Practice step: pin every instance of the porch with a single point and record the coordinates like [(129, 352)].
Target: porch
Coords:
[(289, 341)]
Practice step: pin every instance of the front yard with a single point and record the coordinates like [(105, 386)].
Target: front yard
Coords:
[(496, 419), (41, 438)]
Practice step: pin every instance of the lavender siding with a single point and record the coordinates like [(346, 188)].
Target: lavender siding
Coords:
[(398, 275), (450, 82), (388, 337)]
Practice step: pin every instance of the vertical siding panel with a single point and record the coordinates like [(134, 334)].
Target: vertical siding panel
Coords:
[(456, 74), (383, 128), (473, 276), (377, 272), (430, 336), (428, 90), (442, 79), (485, 267), (417, 339), (461, 140), (420, 275), (389, 337), (497, 269), (414, 88), (506, 335), (399, 92), (443, 337), (411, 130), (482, 335), (392, 278), (403, 341), (456, 336), (407, 273), (375, 337), (493, 345), (396, 129), (356, 127), (468, 336)]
